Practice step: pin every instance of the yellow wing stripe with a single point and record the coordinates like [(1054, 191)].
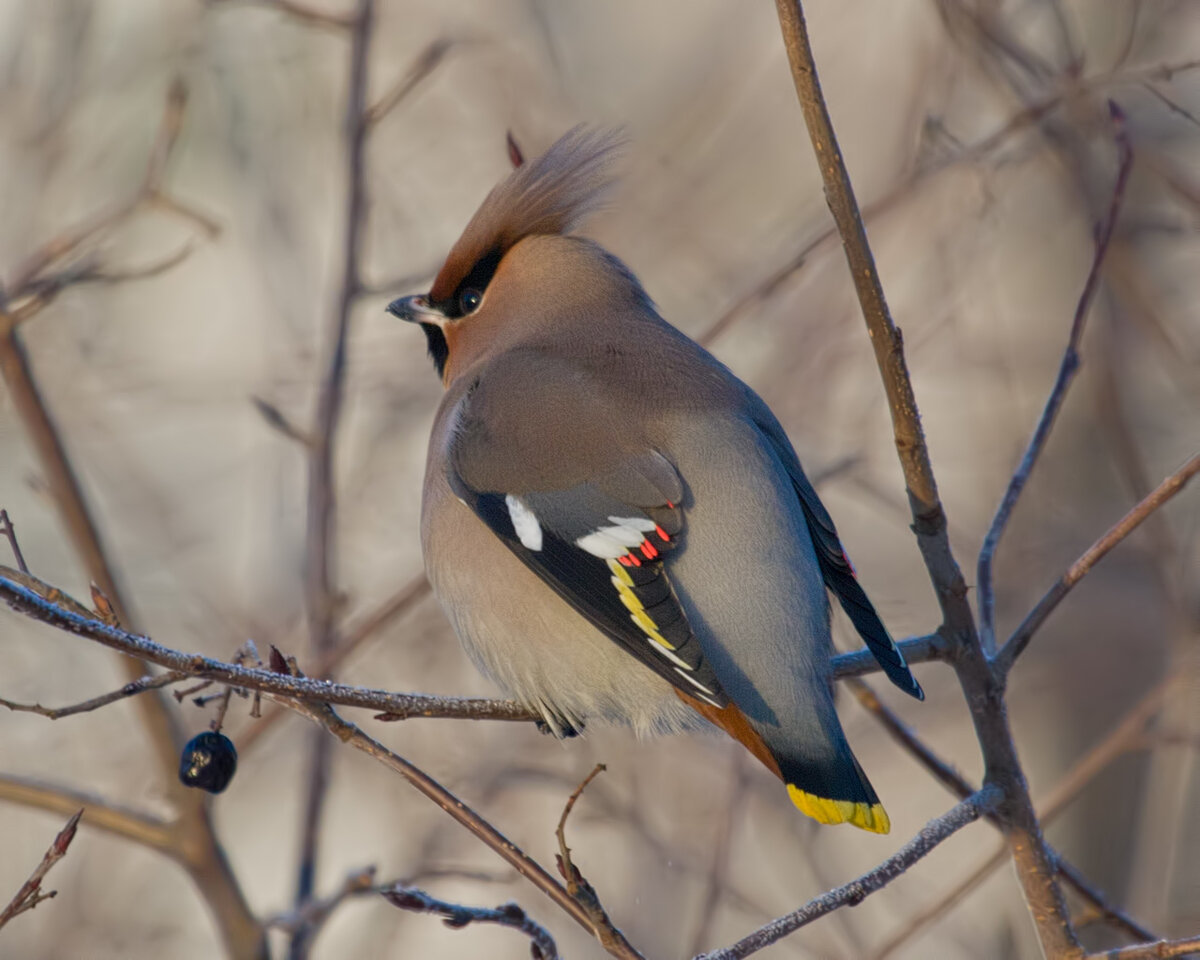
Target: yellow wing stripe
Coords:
[(637, 612), (866, 816)]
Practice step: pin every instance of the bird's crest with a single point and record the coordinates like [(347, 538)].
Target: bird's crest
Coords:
[(548, 195)]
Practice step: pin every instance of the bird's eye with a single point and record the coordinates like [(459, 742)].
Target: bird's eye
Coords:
[(469, 300)]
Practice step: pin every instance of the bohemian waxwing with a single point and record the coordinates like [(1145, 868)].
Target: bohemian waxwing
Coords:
[(615, 524)]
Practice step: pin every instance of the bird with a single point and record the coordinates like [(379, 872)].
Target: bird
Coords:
[(616, 526)]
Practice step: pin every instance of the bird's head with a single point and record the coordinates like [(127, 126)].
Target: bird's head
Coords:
[(516, 269)]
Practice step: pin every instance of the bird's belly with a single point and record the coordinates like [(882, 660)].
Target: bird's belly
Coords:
[(530, 641)]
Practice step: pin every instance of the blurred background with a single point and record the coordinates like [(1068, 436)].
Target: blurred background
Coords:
[(979, 142)]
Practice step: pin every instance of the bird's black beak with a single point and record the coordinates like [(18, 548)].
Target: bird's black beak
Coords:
[(416, 309)]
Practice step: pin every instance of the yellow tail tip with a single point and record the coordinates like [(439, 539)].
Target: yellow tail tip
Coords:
[(865, 816)]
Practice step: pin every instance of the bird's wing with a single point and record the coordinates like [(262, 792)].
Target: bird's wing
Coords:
[(542, 460), (837, 572)]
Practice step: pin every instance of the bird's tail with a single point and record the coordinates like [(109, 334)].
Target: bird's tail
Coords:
[(830, 787)]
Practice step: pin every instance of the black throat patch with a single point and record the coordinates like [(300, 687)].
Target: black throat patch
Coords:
[(439, 350)]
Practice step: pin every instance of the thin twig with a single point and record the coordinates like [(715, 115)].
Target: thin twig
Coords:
[(957, 784), (457, 915), (1017, 643), (30, 894), (131, 689), (311, 16), (6, 527), (416, 590), (427, 61), (1114, 744), (313, 915), (26, 601), (320, 587), (1158, 950), (580, 889), (564, 852), (1066, 373), (853, 893), (526, 866)]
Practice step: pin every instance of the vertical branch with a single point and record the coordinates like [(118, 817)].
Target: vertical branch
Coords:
[(1066, 373), (67, 493), (983, 691), (320, 577)]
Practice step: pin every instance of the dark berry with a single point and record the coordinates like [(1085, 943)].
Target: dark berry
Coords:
[(208, 762)]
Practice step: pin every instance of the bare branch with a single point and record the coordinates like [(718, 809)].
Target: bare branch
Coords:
[(142, 828), (10, 533), (854, 892), (1083, 771), (581, 890), (320, 577), (1094, 554), (1066, 373), (503, 847), (1158, 950), (859, 663), (301, 12), (427, 61), (26, 601), (983, 692), (457, 915), (277, 421), (131, 689), (958, 784), (313, 914), (30, 894)]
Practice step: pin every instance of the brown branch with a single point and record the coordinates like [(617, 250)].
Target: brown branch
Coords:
[(416, 590), (131, 689), (983, 692), (958, 784), (320, 591), (1158, 950), (1117, 742), (10, 533), (1094, 554), (1058, 393), (141, 828), (76, 516), (301, 12), (427, 61), (320, 588), (457, 915), (853, 893), (399, 705), (30, 894), (581, 891), (31, 289), (527, 867), (313, 915)]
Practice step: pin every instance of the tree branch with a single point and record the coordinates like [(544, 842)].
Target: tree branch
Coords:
[(1159, 950), (131, 689), (30, 894), (401, 705), (142, 828), (457, 915), (1066, 373), (983, 692), (1017, 643), (854, 892), (529, 868)]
